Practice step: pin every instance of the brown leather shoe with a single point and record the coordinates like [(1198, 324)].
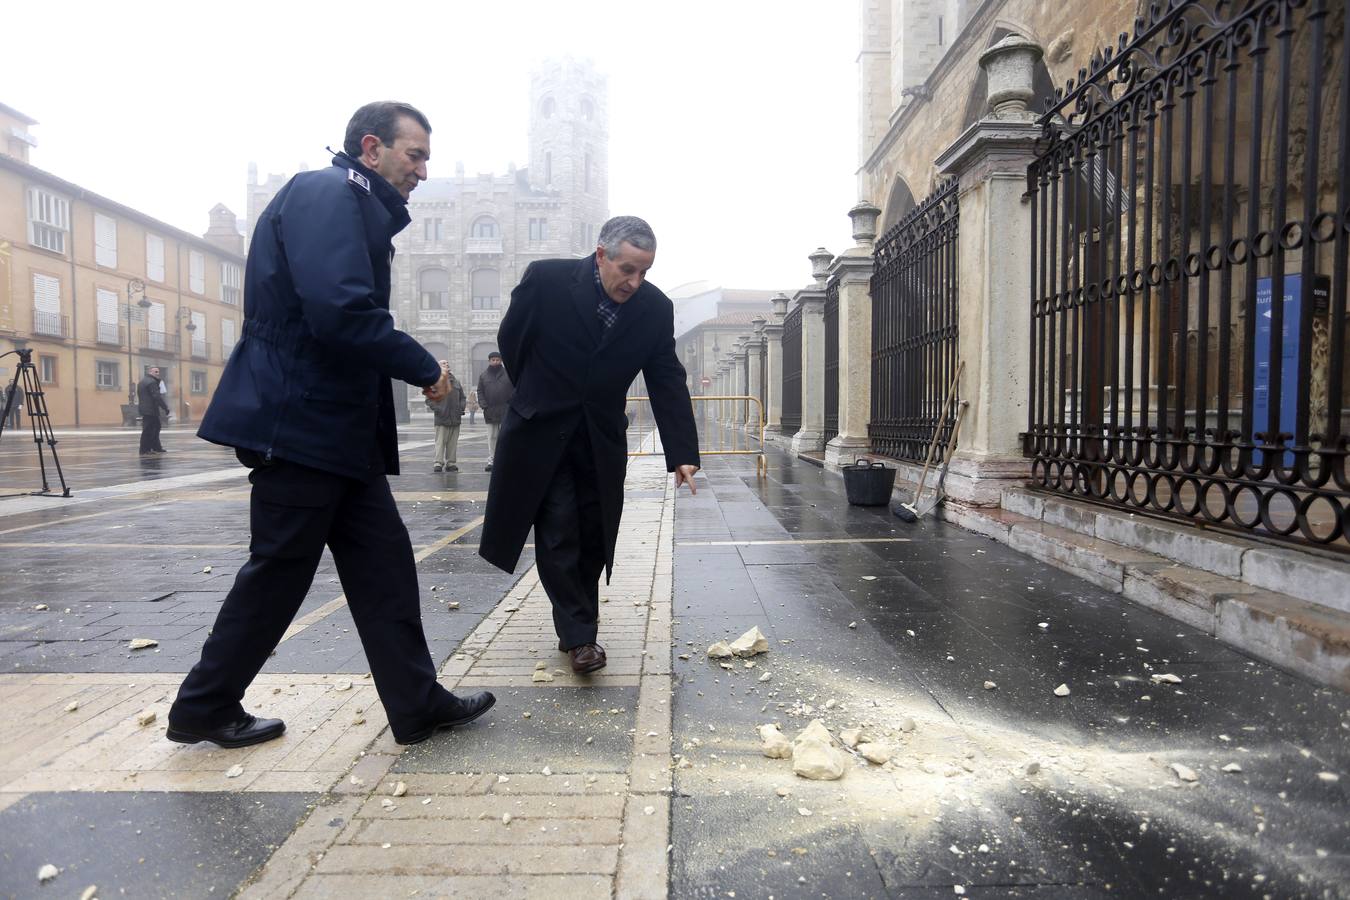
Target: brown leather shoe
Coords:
[(587, 658)]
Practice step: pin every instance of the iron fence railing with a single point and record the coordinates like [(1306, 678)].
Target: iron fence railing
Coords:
[(791, 417), (1190, 210), (914, 328)]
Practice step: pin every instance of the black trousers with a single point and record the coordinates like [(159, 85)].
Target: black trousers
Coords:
[(569, 544), (294, 512), (150, 426)]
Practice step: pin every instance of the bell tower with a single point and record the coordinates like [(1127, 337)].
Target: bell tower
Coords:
[(569, 146)]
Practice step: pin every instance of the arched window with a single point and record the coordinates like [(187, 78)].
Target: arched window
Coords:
[(433, 286), (487, 289), (484, 227), (587, 109), (900, 202), (548, 108), (438, 350)]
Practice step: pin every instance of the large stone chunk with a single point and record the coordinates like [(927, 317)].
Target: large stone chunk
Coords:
[(775, 745), (815, 731), (750, 643), (817, 760)]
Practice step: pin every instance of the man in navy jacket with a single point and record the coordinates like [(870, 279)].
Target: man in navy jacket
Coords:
[(306, 400), (576, 335)]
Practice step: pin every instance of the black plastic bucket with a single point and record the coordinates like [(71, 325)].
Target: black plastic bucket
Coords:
[(868, 483)]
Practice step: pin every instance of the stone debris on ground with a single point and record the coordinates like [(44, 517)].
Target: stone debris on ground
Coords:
[(1165, 678), (89, 893), (851, 737), (47, 873), (1232, 767), (1329, 777), (146, 717), (989, 685), (1062, 691), (1184, 772), (816, 760), (234, 771), (400, 789), (541, 677), (774, 744), (72, 706), (343, 684), (142, 643), (876, 753), (720, 650), (751, 643)]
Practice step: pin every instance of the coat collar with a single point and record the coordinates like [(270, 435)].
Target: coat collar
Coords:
[(381, 189)]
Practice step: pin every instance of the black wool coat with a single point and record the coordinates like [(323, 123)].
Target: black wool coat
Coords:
[(570, 374)]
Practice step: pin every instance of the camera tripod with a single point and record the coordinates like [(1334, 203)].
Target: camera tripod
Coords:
[(26, 380)]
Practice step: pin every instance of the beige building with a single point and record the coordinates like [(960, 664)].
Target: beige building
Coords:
[(100, 292)]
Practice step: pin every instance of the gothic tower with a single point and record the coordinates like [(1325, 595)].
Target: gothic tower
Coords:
[(569, 146)]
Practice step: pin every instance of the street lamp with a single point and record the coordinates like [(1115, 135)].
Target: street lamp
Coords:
[(134, 286), (184, 314)]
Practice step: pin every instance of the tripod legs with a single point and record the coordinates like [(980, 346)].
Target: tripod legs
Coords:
[(26, 380)]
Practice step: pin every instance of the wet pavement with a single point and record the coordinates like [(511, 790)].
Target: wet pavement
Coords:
[(1001, 791)]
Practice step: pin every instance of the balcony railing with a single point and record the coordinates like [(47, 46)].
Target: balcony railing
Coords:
[(110, 333), (483, 245), (159, 341), (433, 317), (485, 318), (51, 324)]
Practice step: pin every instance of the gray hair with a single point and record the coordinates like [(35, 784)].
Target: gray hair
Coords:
[(381, 119), (626, 228)]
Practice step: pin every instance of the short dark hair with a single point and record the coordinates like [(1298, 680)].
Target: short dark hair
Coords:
[(380, 119), (494, 355)]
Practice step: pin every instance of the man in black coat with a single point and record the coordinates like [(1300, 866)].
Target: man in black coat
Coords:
[(153, 410), (575, 336), (494, 393), (306, 400)]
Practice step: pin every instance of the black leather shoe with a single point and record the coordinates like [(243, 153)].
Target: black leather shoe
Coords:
[(246, 731), (587, 658), (457, 711)]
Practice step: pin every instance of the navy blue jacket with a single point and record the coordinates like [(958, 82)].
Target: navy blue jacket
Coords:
[(309, 380)]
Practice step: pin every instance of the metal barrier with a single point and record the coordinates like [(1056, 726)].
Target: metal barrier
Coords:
[(718, 434)]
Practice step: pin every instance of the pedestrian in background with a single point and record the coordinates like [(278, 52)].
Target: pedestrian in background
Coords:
[(15, 406), (473, 407), (150, 404), (494, 393), (307, 401), (447, 413)]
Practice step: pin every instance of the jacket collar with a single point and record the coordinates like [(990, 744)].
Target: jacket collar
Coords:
[(385, 192)]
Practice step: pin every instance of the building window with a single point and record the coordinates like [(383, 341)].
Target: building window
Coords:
[(434, 287), (484, 227), (196, 272), (105, 241), (198, 381), (227, 337), (548, 108), (154, 257), (155, 338), (433, 229), (107, 375), (109, 317), (48, 220), (548, 168), (47, 369), (231, 281), (47, 305), (200, 348), (587, 109), (539, 229), (486, 289)]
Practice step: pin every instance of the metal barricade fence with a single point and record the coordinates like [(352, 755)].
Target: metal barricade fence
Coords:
[(728, 425)]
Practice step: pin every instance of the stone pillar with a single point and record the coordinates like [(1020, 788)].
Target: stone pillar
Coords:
[(773, 347), (853, 268), (721, 381), (811, 437), (741, 362), (755, 411), (994, 267)]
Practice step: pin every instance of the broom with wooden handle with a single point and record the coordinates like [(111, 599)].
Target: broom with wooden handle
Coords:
[(909, 512)]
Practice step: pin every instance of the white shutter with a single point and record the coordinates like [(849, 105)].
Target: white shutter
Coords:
[(196, 272), (108, 313), (155, 317), (46, 293), (226, 335), (154, 258), (105, 240)]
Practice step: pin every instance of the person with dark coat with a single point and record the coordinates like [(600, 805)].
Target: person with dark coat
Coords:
[(575, 336), (446, 414), (306, 400), (13, 396), (494, 393), (153, 410)]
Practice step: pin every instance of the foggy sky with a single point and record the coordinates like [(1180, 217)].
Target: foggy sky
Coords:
[(732, 124)]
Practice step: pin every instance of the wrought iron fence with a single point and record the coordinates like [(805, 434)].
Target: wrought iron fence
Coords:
[(831, 359), (791, 417), (1196, 171), (914, 328)]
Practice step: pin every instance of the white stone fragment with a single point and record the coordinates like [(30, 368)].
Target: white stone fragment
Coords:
[(764, 677), (803, 811), (146, 717), (47, 873), (869, 578), (142, 643), (816, 760), (852, 624), (206, 570), (907, 724), (1042, 625), (989, 685), (1329, 777), (721, 650), (343, 684), (648, 810), (774, 745), (1062, 691), (1232, 767), (1164, 678), (546, 771), (1184, 772), (400, 789), (72, 706), (386, 803), (541, 677), (540, 665), (506, 818), (783, 791), (851, 737), (89, 893), (356, 782), (453, 604), (234, 771), (817, 731), (876, 753), (751, 643), (41, 607)]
